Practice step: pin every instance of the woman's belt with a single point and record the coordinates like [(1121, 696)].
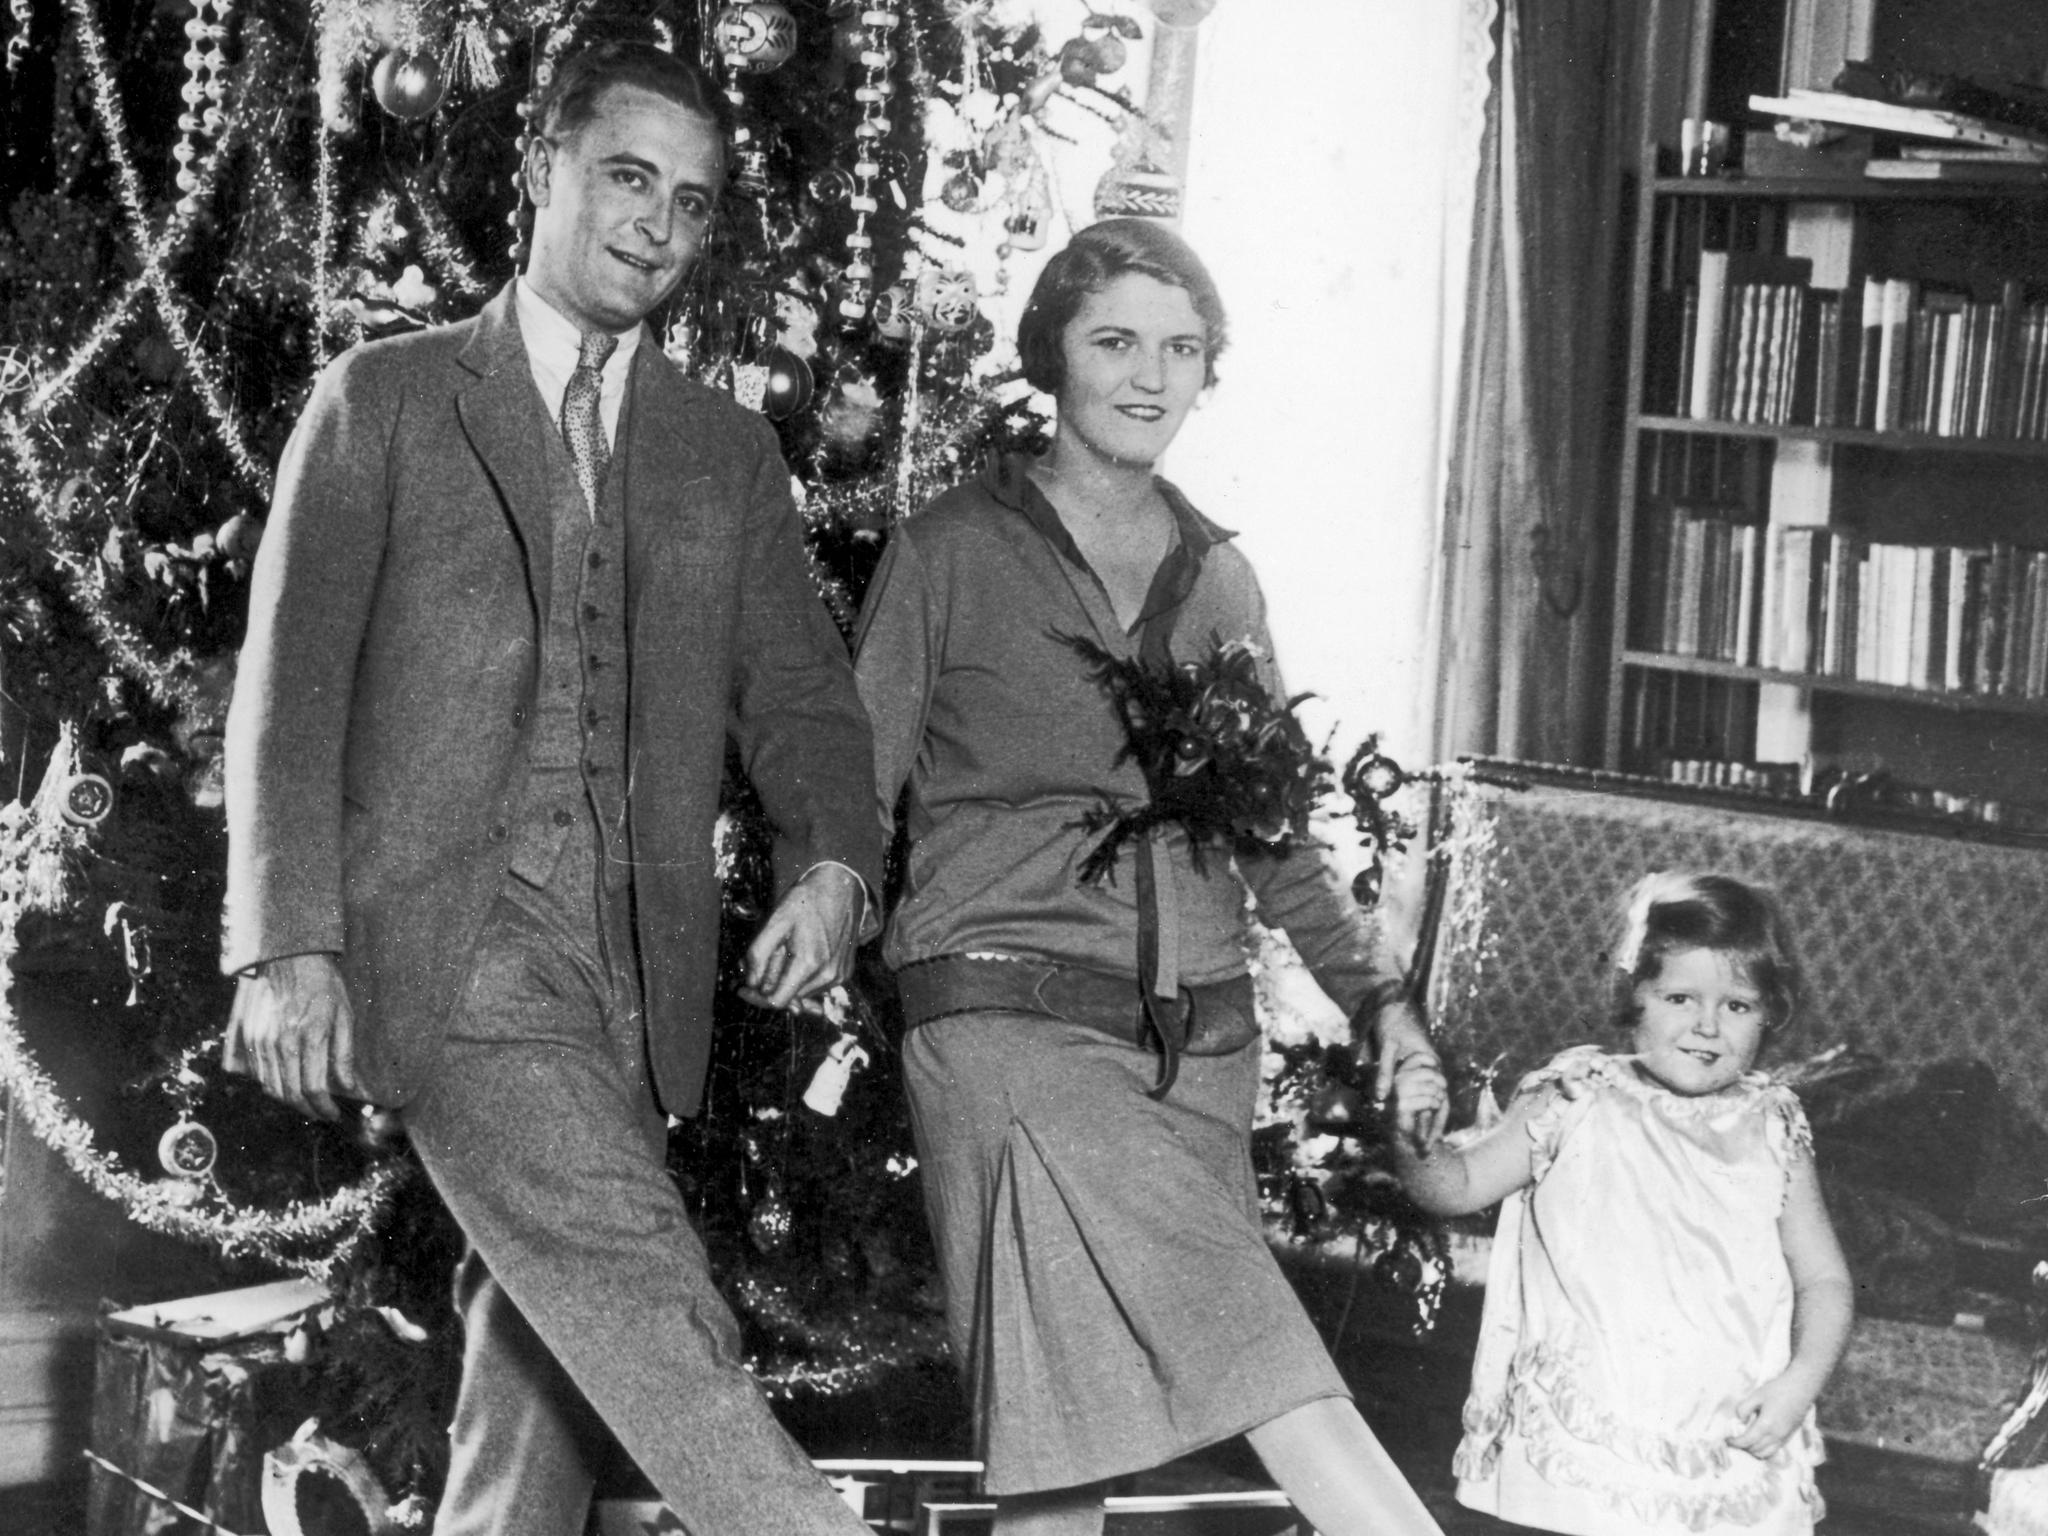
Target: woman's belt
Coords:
[(1214, 1019)]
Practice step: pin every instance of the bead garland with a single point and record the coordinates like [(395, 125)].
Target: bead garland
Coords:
[(24, 16), (543, 75), (877, 57), (169, 303), (204, 91)]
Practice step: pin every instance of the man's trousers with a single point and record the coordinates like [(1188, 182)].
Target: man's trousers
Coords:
[(586, 1295)]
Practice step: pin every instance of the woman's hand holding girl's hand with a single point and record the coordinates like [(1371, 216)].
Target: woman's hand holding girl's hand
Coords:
[(1409, 1073), (1769, 1417)]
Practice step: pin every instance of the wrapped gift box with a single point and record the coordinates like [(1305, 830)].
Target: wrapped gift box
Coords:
[(187, 1398)]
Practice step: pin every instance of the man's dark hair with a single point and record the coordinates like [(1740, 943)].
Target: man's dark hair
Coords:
[(581, 80), (1092, 260)]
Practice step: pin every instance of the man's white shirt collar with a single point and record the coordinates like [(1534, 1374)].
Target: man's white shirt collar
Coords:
[(552, 346)]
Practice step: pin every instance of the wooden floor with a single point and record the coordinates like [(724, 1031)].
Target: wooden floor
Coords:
[(1869, 1494)]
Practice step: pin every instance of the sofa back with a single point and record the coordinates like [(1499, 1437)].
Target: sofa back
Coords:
[(1916, 946)]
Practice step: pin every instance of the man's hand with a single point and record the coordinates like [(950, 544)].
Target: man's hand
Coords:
[(293, 1031), (1769, 1416), (1409, 1072), (807, 944)]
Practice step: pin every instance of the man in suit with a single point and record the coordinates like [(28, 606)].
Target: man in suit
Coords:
[(521, 583)]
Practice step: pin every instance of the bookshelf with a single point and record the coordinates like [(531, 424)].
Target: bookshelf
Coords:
[(1813, 580)]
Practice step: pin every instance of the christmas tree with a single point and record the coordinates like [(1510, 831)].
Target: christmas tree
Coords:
[(213, 198)]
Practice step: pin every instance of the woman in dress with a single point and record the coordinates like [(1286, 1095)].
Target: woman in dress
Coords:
[(1110, 1295)]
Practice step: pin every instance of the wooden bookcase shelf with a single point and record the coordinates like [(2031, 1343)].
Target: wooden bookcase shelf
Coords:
[(1749, 482), (1857, 437), (1821, 682), (1845, 190)]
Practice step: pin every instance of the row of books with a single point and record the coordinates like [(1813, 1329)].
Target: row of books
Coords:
[(1827, 601), (1935, 616), (1701, 574), (1759, 344)]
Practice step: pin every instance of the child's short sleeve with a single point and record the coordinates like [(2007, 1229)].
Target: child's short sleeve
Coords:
[(1786, 1133), (1557, 1093)]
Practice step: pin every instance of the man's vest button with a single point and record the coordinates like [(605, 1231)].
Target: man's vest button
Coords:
[(563, 818), (497, 831)]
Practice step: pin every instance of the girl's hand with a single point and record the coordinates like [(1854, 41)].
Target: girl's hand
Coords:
[(1409, 1074), (1770, 1416)]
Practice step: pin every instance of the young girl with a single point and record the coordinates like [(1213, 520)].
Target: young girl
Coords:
[(1666, 1298)]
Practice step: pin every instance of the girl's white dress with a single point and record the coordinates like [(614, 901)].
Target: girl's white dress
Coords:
[(1638, 1291)]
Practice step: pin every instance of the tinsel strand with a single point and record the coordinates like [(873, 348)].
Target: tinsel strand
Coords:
[(344, 1218), (113, 123), (323, 241), (439, 245), (168, 679), (57, 388)]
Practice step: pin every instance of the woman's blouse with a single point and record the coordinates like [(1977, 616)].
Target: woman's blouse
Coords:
[(1006, 743), (1638, 1292)]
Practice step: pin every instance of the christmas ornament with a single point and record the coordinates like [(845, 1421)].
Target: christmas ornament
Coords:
[(238, 537), (893, 307), (961, 192), (307, 1473), (755, 37), (407, 85), (787, 388), (1078, 65), (1024, 230), (188, 1150), (1111, 53), (832, 186), (947, 299), (1140, 190), (827, 1088), (750, 385), (156, 358), (771, 1223), (750, 168), (853, 415), (88, 800)]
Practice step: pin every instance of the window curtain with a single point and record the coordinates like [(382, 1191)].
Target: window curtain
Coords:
[(1521, 576)]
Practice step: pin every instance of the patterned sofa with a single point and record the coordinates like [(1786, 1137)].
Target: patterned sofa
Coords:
[(1928, 977)]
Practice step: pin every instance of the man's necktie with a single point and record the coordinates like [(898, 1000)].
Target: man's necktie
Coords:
[(582, 425)]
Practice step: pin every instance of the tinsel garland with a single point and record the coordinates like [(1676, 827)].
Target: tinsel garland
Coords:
[(35, 847), (438, 242), (344, 1219), (169, 679), (169, 303), (1469, 846), (848, 1358), (57, 388)]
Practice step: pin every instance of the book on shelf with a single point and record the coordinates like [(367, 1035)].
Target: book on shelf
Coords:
[(1911, 122), (1701, 570), (1933, 617), (1758, 345), (2028, 172)]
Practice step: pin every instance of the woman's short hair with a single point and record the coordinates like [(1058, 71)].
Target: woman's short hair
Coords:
[(580, 81), (1672, 911), (1091, 261)]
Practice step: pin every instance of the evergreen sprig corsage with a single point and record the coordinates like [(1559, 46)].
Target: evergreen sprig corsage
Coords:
[(1223, 760)]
